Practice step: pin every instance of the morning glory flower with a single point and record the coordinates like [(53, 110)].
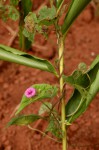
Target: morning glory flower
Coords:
[(30, 92)]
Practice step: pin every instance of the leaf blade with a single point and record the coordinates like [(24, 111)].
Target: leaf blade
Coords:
[(23, 120), (16, 56), (45, 107), (76, 7), (78, 103), (43, 91)]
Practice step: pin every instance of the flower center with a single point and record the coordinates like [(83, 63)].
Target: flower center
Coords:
[(30, 92)]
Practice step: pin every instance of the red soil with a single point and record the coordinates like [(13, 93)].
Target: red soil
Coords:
[(82, 46)]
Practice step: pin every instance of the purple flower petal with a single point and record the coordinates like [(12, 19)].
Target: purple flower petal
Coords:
[(30, 92)]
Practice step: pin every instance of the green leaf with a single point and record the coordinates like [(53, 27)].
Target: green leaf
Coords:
[(46, 22), (43, 91), (78, 102), (94, 88), (47, 13), (34, 23), (31, 18), (12, 12), (76, 7), (24, 120), (54, 128), (77, 79), (31, 26), (16, 56), (45, 107), (28, 34), (8, 11)]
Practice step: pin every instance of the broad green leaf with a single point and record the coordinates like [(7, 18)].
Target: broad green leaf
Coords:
[(76, 7), (24, 120), (36, 23), (16, 56), (31, 26), (12, 12), (45, 107), (78, 102), (8, 11), (77, 78), (43, 91), (46, 22), (31, 18), (94, 88), (47, 13), (55, 128), (29, 35)]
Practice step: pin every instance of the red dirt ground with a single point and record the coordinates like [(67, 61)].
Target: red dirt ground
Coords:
[(82, 46)]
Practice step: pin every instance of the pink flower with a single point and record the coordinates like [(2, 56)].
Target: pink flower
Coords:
[(30, 92)]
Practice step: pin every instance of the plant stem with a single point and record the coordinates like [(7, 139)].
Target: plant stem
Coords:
[(21, 27), (22, 39), (44, 134), (63, 114)]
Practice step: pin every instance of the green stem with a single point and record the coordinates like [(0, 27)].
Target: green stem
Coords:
[(22, 39), (63, 114), (21, 27)]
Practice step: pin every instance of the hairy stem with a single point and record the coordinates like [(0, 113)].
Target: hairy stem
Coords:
[(62, 94)]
